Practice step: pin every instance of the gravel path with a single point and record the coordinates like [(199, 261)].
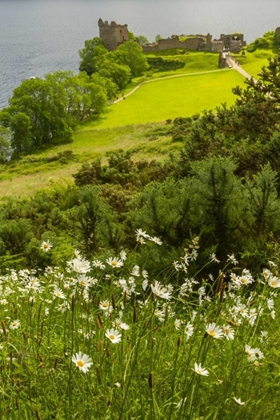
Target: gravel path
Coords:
[(237, 67)]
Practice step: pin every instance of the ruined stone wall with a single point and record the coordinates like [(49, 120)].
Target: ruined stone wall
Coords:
[(217, 46), (112, 34), (192, 43), (233, 42)]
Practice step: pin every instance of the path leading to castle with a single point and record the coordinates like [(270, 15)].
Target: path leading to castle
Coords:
[(230, 62)]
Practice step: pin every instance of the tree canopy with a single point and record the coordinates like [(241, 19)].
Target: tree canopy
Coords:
[(130, 53), (44, 111), (94, 57), (91, 55)]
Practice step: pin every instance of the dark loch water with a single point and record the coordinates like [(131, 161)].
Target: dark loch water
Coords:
[(41, 36)]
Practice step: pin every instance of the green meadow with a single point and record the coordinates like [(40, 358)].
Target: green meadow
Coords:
[(169, 98)]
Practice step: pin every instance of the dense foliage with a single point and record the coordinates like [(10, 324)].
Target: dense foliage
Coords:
[(269, 39), (129, 56)]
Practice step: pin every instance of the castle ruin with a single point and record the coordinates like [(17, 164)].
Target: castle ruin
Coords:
[(113, 34), (233, 43)]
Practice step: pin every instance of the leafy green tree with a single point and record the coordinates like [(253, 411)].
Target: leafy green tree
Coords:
[(45, 111), (108, 85), (118, 73), (158, 37), (91, 55), (84, 96), (37, 115), (142, 39), (131, 54), (5, 144), (20, 126)]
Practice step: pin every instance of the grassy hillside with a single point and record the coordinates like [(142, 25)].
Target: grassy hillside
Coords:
[(130, 123), (43, 169)]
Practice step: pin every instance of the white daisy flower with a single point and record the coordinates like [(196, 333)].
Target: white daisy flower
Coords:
[(15, 324), (200, 370), (156, 240), (274, 282), (161, 291), (213, 330), (46, 246), (228, 332), (188, 330), (82, 361), (231, 258), (114, 262), (123, 255), (98, 264), (105, 305), (79, 265), (124, 326), (113, 335), (213, 258), (238, 401)]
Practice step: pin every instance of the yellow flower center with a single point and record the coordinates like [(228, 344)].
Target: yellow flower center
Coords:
[(113, 263), (80, 363), (112, 337), (212, 333)]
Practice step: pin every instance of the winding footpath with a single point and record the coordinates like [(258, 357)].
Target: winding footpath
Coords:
[(230, 62)]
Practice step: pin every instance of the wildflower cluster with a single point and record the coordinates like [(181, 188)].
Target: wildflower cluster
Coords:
[(109, 319)]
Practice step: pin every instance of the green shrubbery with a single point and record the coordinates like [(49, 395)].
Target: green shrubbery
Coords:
[(159, 64)]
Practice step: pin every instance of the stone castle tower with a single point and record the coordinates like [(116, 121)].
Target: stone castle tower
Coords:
[(112, 34)]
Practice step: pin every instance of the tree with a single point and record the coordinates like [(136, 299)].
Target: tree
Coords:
[(83, 95), (5, 144), (142, 40), (37, 115), (131, 54), (119, 73), (91, 55), (158, 37)]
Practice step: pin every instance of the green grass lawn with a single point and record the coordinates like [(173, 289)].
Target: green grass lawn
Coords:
[(195, 61), (171, 98)]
